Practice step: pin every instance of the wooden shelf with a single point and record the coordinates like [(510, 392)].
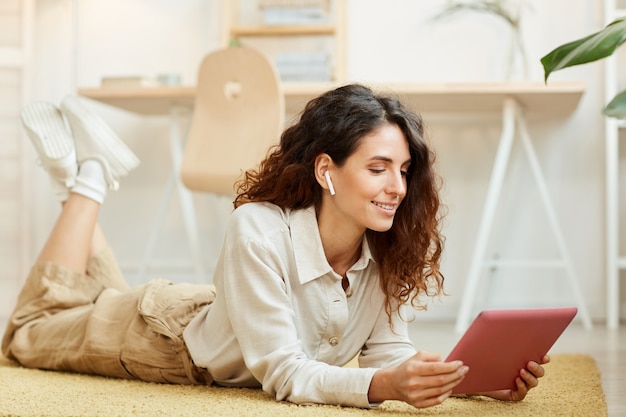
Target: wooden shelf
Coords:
[(291, 37), (555, 98), (282, 30)]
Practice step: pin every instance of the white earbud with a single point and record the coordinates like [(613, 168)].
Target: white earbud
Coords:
[(329, 183)]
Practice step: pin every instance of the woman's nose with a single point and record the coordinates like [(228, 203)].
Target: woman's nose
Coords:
[(397, 185)]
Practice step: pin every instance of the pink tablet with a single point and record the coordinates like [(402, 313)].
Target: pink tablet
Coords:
[(499, 343)]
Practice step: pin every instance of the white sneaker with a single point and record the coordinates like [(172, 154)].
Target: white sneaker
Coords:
[(94, 139), (46, 128)]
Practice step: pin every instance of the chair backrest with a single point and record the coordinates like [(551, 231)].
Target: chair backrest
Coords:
[(238, 114)]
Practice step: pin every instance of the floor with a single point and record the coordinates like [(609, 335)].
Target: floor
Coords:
[(608, 348)]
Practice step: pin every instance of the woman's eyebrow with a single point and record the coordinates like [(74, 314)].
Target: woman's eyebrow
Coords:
[(387, 159), (381, 158)]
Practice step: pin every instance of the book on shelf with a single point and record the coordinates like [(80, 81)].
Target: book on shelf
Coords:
[(303, 66), (294, 12), (129, 82)]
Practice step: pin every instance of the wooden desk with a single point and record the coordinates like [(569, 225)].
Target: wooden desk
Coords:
[(535, 97), (515, 101)]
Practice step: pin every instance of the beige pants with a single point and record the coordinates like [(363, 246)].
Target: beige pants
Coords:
[(94, 323)]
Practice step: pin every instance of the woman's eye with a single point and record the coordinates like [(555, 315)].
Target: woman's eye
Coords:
[(404, 173), (377, 170)]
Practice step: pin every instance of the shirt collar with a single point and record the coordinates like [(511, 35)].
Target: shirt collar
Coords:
[(308, 251)]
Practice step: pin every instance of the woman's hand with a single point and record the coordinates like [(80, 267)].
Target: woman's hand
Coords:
[(528, 378), (421, 381)]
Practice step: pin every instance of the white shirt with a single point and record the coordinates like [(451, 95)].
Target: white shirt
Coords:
[(282, 320)]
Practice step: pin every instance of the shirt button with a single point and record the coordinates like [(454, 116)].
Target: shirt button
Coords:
[(334, 341)]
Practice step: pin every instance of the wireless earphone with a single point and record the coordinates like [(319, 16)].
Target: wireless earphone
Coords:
[(329, 183)]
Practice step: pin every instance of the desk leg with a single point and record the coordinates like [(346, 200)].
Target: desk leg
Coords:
[(493, 194), (186, 202), (553, 219), (511, 118), (184, 195), (156, 227)]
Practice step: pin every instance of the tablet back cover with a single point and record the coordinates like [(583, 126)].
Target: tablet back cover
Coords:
[(499, 343)]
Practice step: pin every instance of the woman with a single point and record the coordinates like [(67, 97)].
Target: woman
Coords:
[(333, 236)]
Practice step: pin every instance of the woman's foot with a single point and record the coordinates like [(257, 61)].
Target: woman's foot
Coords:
[(49, 133), (94, 140)]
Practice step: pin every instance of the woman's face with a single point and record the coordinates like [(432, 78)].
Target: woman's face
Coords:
[(371, 184)]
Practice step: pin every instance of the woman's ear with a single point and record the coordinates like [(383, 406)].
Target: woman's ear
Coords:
[(323, 164)]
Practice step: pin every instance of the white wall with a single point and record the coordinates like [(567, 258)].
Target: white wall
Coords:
[(79, 42), (410, 46), (14, 24), (394, 40)]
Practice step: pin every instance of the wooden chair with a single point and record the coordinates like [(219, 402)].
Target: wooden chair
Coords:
[(238, 114)]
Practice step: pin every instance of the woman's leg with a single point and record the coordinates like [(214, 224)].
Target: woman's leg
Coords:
[(70, 243), (102, 264), (98, 241), (78, 243), (104, 158), (54, 306), (53, 321), (75, 312)]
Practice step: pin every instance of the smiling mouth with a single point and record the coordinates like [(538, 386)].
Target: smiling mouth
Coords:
[(385, 206)]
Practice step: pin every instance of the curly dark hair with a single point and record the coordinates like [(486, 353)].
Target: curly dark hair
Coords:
[(408, 255)]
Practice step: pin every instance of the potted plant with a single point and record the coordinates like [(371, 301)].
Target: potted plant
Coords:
[(510, 12), (591, 48)]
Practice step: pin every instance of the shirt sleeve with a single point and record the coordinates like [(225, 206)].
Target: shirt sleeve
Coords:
[(262, 317), (388, 345)]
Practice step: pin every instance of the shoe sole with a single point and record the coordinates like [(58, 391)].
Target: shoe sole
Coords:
[(47, 130), (110, 147)]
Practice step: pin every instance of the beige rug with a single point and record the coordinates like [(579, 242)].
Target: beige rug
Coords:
[(571, 388)]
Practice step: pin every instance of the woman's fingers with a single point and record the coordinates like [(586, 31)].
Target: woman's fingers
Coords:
[(428, 363), (536, 369), (422, 381), (528, 379), (520, 391), (433, 395), (425, 390)]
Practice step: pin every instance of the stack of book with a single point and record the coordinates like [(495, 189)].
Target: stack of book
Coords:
[(294, 12), (303, 66), (129, 82)]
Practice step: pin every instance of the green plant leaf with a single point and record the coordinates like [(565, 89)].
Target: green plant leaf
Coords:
[(617, 107), (590, 48)]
